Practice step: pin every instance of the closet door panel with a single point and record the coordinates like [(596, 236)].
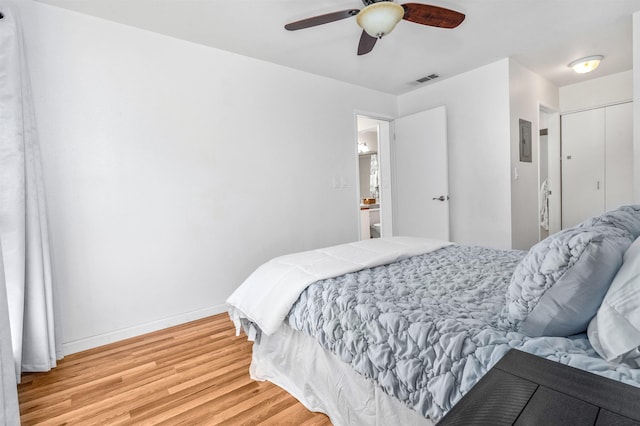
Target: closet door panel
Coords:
[(583, 151), (618, 155)]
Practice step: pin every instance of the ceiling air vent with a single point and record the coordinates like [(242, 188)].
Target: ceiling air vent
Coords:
[(425, 79)]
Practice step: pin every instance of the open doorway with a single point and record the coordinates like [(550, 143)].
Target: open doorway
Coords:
[(374, 181), (549, 172)]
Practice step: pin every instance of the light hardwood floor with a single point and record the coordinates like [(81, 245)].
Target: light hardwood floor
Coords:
[(191, 374)]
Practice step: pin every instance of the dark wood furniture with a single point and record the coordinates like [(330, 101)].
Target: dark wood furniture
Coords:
[(523, 389)]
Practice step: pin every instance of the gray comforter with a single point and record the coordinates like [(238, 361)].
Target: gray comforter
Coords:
[(427, 328)]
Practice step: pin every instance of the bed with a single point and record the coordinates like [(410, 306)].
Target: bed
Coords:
[(397, 330)]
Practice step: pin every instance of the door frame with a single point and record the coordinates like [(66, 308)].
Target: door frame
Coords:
[(554, 167)]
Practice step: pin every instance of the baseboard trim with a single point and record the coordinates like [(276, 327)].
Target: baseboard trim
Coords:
[(74, 346)]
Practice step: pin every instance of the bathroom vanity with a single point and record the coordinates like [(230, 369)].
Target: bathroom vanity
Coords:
[(369, 221)]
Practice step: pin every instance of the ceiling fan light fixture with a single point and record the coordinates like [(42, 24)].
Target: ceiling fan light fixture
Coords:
[(379, 19), (587, 64)]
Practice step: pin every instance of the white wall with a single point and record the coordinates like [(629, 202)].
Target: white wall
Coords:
[(597, 92), (479, 158), (173, 170), (527, 91)]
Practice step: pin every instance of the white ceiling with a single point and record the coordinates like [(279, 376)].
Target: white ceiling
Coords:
[(543, 35)]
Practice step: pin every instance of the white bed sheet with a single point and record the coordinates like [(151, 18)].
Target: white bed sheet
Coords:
[(323, 383)]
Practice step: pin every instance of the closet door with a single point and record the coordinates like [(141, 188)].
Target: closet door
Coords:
[(618, 155), (583, 167)]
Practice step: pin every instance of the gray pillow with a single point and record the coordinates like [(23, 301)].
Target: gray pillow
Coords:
[(626, 218), (558, 286)]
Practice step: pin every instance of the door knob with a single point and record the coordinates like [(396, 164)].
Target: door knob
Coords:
[(441, 198)]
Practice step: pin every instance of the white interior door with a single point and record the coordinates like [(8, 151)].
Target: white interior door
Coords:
[(583, 152), (421, 186), (619, 155)]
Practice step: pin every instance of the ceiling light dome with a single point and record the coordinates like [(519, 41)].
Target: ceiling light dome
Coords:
[(585, 65), (379, 19)]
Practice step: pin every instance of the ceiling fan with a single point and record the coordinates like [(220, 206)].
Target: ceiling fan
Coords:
[(379, 17)]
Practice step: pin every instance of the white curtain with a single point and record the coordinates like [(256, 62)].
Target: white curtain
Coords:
[(8, 393), (23, 225)]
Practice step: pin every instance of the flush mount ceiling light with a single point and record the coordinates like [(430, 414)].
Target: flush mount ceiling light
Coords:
[(379, 19), (585, 65)]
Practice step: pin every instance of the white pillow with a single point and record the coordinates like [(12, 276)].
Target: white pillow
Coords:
[(615, 330)]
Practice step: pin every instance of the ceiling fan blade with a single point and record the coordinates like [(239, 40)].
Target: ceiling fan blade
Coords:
[(433, 16), (366, 43), (321, 19)]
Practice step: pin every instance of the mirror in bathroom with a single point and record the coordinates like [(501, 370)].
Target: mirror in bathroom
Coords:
[(368, 164)]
